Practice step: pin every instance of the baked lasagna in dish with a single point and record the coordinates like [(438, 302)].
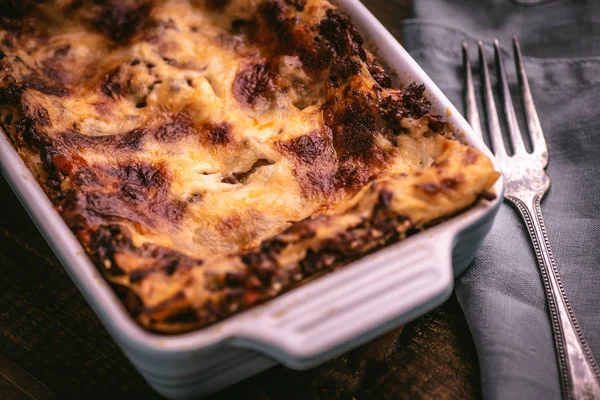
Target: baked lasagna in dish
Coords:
[(212, 154)]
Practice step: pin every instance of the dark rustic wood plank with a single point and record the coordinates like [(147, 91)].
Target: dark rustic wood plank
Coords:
[(10, 391), (48, 333), (18, 383)]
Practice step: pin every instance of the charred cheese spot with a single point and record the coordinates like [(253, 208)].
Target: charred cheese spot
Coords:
[(378, 72), (129, 141), (218, 133), (180, 127), (254, 85), (216, 4), (40, 86), (429, 188), (112, 85), (341, 35), (120, 20), (136, 192), (271, 25), (354, 127), (297, 4), (315, 162)]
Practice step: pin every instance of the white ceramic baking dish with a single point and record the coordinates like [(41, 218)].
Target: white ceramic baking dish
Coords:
[(308, 325)]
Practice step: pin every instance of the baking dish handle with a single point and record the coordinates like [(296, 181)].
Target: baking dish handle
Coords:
[(356, 304)]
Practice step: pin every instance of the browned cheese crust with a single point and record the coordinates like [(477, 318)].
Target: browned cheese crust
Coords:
[(212, 154)]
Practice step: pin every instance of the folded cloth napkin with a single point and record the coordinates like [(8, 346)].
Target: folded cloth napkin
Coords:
[(502, 294)]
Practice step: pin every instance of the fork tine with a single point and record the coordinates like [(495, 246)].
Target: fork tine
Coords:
[(490, 107), (511, 119), (533, 122), (470, 99)]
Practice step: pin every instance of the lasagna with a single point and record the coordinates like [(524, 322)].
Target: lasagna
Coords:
[(211, 154)]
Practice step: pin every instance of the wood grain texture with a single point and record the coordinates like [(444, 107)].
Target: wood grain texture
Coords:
[(22, 384), (391, 13), (52, 346)]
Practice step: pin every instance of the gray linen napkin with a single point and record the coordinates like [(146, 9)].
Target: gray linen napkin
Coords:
[(501, 294)]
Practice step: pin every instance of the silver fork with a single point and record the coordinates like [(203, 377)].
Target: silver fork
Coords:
[(526, 185)]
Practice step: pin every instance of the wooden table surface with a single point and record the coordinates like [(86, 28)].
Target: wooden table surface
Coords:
[(52, 346)]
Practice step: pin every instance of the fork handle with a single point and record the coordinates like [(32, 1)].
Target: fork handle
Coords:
[(580, 376)]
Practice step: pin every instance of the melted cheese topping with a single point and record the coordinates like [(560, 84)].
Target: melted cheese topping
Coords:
[(194, 132), (190, 66)]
